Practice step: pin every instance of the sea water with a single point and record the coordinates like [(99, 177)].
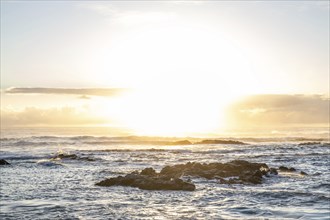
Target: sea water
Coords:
[(35, 186)]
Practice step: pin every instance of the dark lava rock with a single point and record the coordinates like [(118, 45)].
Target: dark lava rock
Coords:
[(220, 142), (4, 162), (148, 183)]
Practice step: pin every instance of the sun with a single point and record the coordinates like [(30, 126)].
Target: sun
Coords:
[(181, 79), (167, 113)]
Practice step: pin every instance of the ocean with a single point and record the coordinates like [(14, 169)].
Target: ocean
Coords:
[(35, 186)]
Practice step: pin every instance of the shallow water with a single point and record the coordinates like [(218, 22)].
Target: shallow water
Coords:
[(35, 187)]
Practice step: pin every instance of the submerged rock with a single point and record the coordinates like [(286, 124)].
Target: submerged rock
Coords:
[(291, 170), (4, 162)]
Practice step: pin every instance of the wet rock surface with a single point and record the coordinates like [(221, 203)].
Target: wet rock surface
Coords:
[(61, 156), (65, 156), (273, 171), (234, 172), (244, 171), (303, 173), (291, 170), (148, 181), (4, 162), (286, 169)]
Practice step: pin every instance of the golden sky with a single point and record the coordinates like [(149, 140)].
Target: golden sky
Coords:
[(165, 67)]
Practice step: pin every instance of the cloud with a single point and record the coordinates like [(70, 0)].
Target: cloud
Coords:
[(137, 17), (274, 110), (32, 116), (103, 9), (84, 97), (187, 2), (83, 92), (128, 17), (319, 5)]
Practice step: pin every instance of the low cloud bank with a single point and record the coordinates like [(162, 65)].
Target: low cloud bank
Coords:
[(32, 116), (279, 110), (252, 111), (67, 91)]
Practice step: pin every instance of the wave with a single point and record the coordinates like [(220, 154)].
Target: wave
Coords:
[(25, 157), (49, 163), (322, 185), (23, 143), (156, 141), (130, 150), (45, 137), (289, 194)]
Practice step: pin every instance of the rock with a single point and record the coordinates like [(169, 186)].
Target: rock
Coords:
[(4, 162), (172, 171), (291, 169), (163, 184), (303, 173), (230, 181), (88, 159), (218, 170), (220, 142), (309, 143), (248, 165), (285, 169), (148, 183), (273, 171), (148, 172), (233, 172), (65, 156), (71, 157)]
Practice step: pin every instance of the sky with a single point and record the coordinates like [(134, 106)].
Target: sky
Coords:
[(165, 67)]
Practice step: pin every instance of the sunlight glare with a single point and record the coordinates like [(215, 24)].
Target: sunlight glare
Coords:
[(177, 73)]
